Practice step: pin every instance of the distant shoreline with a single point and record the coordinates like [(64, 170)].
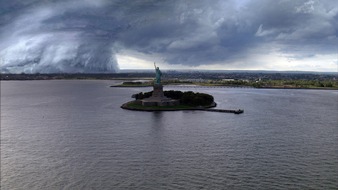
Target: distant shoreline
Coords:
[(218, 86), (187, 86), (200, 79)]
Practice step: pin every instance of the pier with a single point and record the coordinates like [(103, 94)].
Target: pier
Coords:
[(239, 111)]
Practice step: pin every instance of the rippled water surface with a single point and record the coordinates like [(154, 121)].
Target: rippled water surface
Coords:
[(74, 135)]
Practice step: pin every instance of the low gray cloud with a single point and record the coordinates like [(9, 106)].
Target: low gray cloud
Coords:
[(85, 36)]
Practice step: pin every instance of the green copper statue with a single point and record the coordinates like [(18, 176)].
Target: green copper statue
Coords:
[(158, 75)]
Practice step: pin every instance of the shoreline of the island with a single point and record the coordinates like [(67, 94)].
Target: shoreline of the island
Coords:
[(176, 108), (159, 108)]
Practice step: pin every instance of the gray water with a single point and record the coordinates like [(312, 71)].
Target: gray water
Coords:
[(74, 135)]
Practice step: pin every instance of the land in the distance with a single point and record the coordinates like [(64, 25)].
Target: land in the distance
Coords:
[(256, 79)]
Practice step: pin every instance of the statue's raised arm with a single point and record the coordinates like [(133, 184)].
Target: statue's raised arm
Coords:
[(158, 75)]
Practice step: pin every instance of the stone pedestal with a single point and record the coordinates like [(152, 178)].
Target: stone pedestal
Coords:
[(158, 99), (158, 91)]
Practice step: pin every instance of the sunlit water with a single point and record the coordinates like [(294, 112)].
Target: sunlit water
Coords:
[(74, 135)]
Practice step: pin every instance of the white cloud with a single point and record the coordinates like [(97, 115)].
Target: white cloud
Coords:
[(306, 7), (260, 32)]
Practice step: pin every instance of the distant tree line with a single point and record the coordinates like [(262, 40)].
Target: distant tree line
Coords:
[(186, 98), (299, 83), (280, 83), (177, 76)]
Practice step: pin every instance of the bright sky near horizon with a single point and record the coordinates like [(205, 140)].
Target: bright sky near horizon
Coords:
[(108, 35)]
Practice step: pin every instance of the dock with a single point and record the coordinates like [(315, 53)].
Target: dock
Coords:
[(239, 111)]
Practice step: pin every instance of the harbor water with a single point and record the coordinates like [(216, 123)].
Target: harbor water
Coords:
[(72, 134)]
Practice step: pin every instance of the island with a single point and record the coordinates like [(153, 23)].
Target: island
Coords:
[(159, 100), (180, 101)]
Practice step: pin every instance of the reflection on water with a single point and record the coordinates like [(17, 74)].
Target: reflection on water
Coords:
[(73, 135)]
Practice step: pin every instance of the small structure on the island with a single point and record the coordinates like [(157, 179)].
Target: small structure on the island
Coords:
[(157, 98)]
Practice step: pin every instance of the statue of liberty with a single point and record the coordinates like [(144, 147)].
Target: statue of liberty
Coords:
[(158, 75)]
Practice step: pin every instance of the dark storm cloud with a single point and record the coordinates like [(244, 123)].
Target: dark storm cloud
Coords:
[(85, 36), (293, 22)]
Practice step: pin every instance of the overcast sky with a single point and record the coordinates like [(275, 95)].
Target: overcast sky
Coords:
[(108, 35)]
